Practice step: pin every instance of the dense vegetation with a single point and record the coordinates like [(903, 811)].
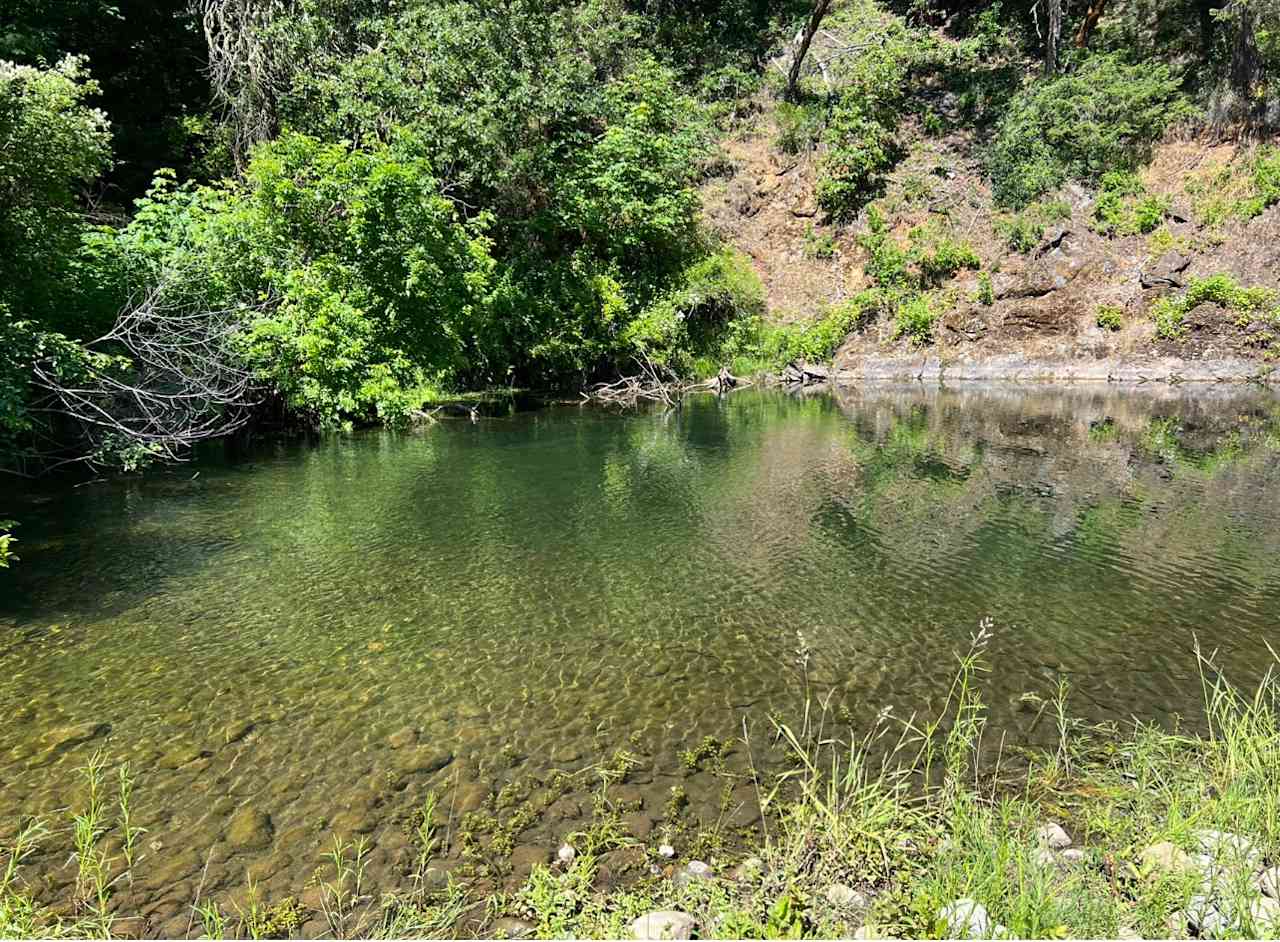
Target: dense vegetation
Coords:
[(343, 209)]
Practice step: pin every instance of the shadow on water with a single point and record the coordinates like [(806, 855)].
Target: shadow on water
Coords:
[(530, 592)]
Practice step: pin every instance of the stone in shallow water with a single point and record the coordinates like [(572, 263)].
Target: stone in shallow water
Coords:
[(250, 827), (422, 759), (402, 738), (663, 925), (234, 732), (68, 737)]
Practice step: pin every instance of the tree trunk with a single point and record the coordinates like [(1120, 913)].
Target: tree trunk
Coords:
[(1091, 17), (1052, 35), (1245, 61), (820, 8)]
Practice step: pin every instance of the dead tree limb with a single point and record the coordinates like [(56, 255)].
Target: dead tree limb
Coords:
[(167, 375), (820, 8)]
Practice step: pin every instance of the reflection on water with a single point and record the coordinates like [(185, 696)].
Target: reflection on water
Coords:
[(312, 633)]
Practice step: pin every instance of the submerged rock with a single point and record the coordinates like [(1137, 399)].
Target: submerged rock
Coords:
[(402, 738), (250, 827), (667, 924), (68, 737), (966, 919)]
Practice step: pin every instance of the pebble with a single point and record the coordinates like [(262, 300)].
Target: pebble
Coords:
[(666, 850), (1165, 858), (966, 919), (1072, 855), (1203, 915), (692, 872), (751, 867), (844, 897), (566, 854), (234, 732), (667, 924), (512, 928), (1053, 837)]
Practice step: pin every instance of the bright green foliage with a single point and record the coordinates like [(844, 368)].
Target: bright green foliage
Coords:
[(1022, 231), (799, 126), (1110, 317), (986, 291), (51, 145), (7, 539), (1170, 313), (1104, 115), (706, 318), (1124, 207), (1240, 190), (861, 154), (939, 256), (861, 134), (914, 319)]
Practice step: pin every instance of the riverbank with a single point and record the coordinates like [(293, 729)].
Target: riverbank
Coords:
[(914, 828)]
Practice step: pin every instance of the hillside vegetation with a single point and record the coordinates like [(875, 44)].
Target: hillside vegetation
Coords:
[(336, 212)]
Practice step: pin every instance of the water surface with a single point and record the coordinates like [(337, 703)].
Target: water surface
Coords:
[(325, 633)]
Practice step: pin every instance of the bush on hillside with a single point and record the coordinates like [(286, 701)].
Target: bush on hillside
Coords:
[(1106, 115)]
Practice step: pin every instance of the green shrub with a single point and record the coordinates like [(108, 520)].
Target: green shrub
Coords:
[(986, 291), (914, 319), (1110, 317), (819, 244), (708, 317), (1170, 313), (941, 257), (861, 152), (1105, 115), (1023, 231), (799, 126), (1124, 207)]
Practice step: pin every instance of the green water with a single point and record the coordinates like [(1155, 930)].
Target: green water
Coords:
[(530, 593)]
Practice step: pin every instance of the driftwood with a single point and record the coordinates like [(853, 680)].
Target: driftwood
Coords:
[(656, 383)]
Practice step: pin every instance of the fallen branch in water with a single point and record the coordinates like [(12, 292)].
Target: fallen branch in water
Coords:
[(656, 383)]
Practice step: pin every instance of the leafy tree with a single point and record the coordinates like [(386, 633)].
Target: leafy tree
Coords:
[(52, 146)]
